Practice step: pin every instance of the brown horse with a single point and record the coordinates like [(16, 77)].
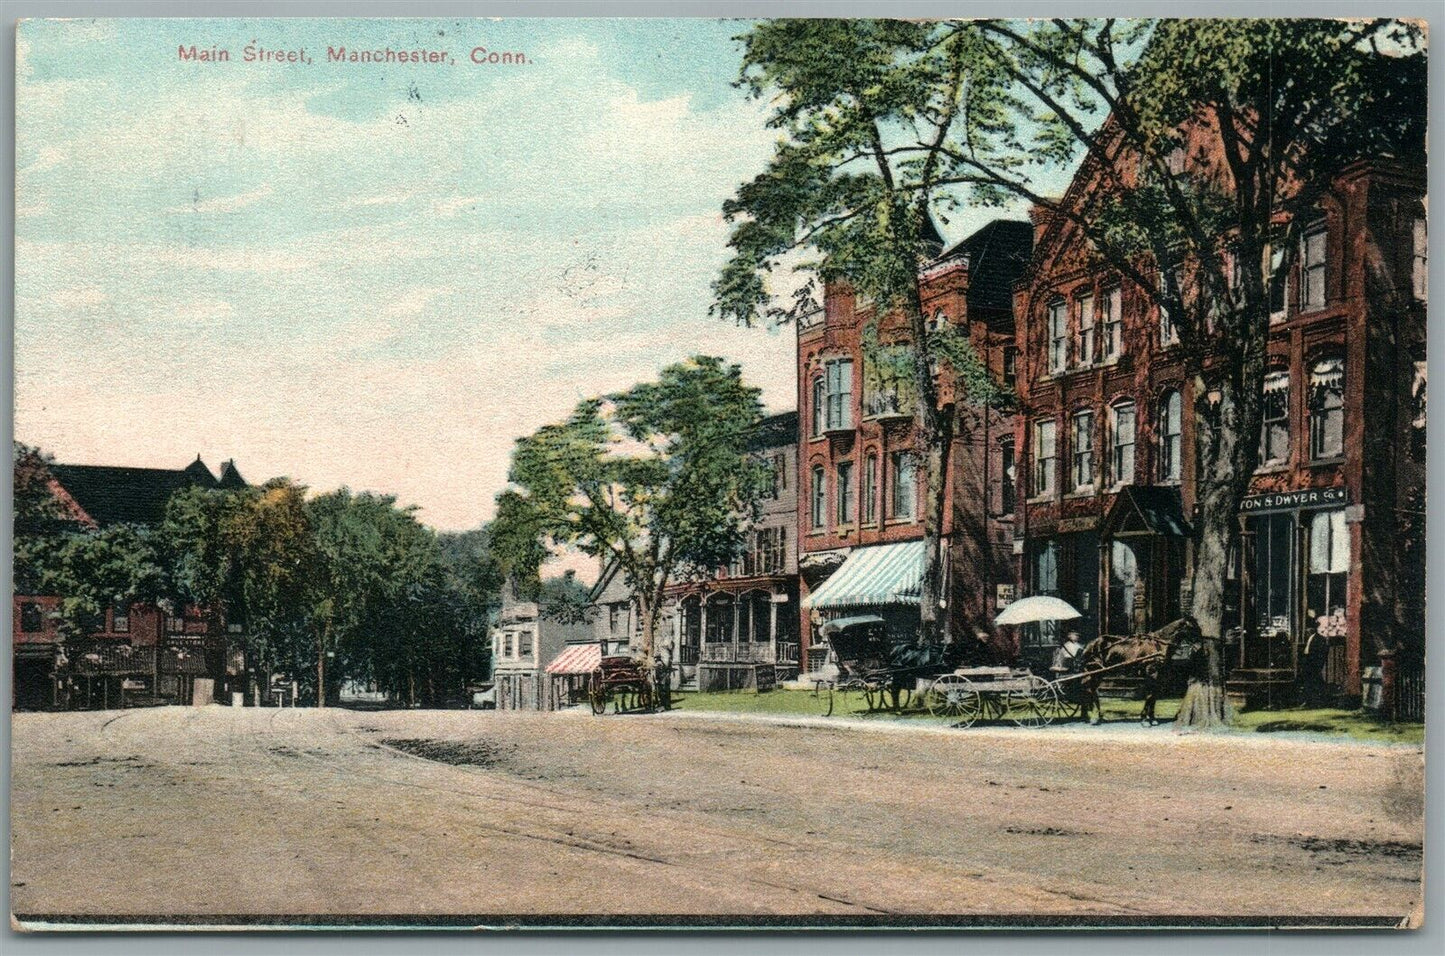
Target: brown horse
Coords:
[(1147, 654)]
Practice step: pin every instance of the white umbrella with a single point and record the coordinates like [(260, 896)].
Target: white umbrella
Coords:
[(1039, 607)]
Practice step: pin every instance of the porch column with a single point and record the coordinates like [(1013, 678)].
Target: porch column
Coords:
[(773, 626), (1106, 570)]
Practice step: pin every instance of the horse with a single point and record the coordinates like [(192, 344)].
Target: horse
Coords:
[(1149, 653)]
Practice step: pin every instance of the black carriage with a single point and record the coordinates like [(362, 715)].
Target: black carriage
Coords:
[(623, 682), (883, 670)]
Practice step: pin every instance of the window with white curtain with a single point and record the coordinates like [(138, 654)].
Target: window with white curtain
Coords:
[(1327, 408), (1274, 426)]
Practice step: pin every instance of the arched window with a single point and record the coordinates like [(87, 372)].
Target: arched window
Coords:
[(1274, 422), (719, 627), (1171, 431), (820, 402), (1327, 408), (1122, 433)]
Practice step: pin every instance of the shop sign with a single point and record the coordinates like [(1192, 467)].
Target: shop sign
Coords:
[(1304, 498), (1005, 595)]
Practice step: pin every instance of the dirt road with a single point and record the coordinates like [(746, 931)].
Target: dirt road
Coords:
[(222, 812)]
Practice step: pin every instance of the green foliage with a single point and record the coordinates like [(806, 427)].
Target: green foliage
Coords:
[(92, 570), (658, 478)]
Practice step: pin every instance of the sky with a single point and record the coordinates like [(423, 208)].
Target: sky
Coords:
[(371, 275)]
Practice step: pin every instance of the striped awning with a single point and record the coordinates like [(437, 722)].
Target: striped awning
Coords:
[(874, 576), (577, 659)]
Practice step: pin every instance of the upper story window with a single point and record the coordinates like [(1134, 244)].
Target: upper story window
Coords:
[(1007, 475), (870, 488), (524, 643), (777, 474), (1171, 432), (1312, 268), (1327, 408), (839, 374), (1045, 455), (32, 621), (905, 484), (1010, 366), (120, 618), (1058, 336), (1123, 431), (1274, 423), (817, 511), (1082, 446), (1112, 308), (1277, 282), (843, 492), (820, 405), (1085, 347), (1168, 328), (507, 644), (888, 381), (1420, 260), (767, 551)]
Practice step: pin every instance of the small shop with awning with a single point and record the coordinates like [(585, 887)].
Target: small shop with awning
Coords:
[(881, 579), (568, 673)]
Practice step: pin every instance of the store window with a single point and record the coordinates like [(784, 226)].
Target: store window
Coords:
[(1171, 437), (1274, 425), (1046, 581), (1274, 571), (1329, 567), (1327, 409), (1312, 268), (1121, 463), (905, 484), (1058, 336), (1045, 455), (1082, 447)]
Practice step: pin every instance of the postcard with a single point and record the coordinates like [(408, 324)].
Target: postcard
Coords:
[(817, 473)]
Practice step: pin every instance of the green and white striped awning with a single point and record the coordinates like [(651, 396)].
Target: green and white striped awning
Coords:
[(873, 576)]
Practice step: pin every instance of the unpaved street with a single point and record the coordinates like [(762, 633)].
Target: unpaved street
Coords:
[(222, 811)]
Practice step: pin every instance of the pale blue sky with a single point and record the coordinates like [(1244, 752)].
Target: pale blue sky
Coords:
[(369, 275)]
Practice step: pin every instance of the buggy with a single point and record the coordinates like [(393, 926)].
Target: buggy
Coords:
[(624, 682)]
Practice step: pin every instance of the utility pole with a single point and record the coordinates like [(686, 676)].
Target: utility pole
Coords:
[(321, 666)]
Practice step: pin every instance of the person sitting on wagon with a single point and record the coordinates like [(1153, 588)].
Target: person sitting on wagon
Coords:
[(1069, 655)]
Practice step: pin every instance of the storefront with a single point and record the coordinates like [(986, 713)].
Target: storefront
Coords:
[(1295, 586), (881, 579)]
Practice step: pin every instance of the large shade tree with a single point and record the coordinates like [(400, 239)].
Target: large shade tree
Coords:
[(848, 190), (657, 478), (1206, 145)]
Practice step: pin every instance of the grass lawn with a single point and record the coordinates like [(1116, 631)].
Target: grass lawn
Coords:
[(801, 703)]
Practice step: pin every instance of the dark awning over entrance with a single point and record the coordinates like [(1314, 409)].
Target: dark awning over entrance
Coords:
[(1146, 509)]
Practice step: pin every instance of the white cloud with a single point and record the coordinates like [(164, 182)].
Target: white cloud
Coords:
[(225, 203), (203, 310)]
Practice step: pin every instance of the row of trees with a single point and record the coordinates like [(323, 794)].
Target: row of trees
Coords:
[(338, 586), (1204, 144)]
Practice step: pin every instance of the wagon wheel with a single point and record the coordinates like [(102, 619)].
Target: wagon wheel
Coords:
[(818, 691), (1024, 708), (970, 705), (596, 694), (944, 697), (873, 695), (1060, 701)]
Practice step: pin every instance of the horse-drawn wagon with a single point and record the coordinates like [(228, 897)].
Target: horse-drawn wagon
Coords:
[(884, 672), (623, 682), (970, 694)]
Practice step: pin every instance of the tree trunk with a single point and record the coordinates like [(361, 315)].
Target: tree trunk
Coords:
[(1227, 416), (320, 668)]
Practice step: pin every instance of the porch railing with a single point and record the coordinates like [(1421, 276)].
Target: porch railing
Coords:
[(747, 653)]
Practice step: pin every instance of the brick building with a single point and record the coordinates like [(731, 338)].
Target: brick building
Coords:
[(860, 504), (133, 650), (1106, 437)]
